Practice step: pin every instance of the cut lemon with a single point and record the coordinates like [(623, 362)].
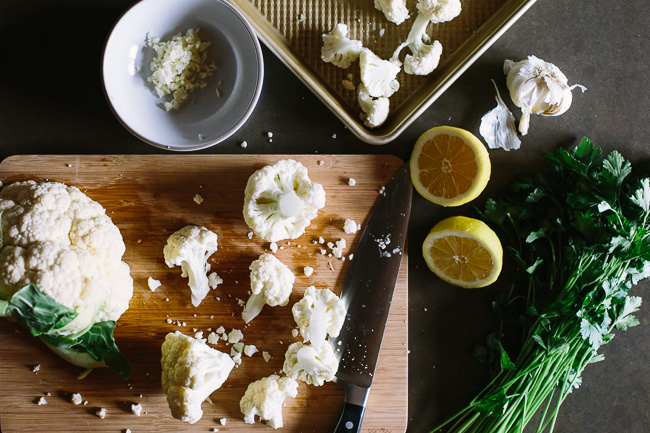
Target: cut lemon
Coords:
[(464, 252), (449, 166)]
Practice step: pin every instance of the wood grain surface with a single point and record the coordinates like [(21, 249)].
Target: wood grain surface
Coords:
[(149, 197)]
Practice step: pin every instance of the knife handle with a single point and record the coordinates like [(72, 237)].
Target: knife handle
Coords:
[(350, 421)]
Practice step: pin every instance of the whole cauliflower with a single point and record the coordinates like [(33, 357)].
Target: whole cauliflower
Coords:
[(305, 363), (319, 313), (338, 49), (264, 398), (190, 248), (61, 242), (191, 371), (271, 284), (280, 201)]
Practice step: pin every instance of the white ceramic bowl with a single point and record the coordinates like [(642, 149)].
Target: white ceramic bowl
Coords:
[(209, 115)]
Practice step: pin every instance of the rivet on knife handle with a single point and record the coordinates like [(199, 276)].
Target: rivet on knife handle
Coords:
[(350, 421)]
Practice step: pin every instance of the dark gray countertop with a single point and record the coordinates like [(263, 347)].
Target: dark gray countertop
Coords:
[(51, 101)]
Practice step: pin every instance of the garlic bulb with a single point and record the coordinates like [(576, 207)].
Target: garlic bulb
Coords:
[(537, 87)]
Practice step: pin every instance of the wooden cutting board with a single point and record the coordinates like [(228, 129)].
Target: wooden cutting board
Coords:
[(149, 197)]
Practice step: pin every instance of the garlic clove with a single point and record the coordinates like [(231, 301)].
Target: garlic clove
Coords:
[(498, 126)]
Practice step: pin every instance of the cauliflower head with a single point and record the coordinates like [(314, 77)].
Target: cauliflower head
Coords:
[(338, 49), (318, 314), (56, 238), (190, 248), (280, 200), (271, 284), (424, 60), (264, 398), (374, 111), (394, 10), (191, 371), (379, 76), (439, 11), (303, 362)]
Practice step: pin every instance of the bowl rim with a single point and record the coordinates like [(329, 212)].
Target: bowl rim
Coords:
[(253, 102)]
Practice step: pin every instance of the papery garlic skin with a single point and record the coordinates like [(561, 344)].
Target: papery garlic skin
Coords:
[(537, 87)]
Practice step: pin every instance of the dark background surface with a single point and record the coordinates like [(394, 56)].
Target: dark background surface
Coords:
[(51, 102)]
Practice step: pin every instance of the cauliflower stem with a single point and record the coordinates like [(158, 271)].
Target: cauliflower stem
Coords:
[(45, 318)]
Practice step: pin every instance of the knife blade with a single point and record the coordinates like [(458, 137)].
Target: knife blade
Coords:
[(367, 293)]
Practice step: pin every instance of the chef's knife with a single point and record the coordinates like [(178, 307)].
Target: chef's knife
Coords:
[(367, 293)]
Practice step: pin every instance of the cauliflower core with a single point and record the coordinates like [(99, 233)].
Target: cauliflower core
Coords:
[(190, 248), (271, 284), (305, 363), (319, 313), (59, 239), (264, 398), (191, 371), (280, 201)]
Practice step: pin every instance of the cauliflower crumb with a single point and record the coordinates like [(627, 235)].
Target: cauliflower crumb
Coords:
[(250, 349), (321, 240), (235, 336), (348, 85), (352, 182), (136, 409), (180, 66), (101, 413), (153, 284), (198, 335), (222, 421), (36, 368), (273, 247), (243, 144), (320, 162), (214, 280), (382, 31), (267, 356), (198, 199), (76, 399), (221, 330), (350, 226), (213, 338), (250, 235), (308, 270), (294, 332), (42, 401)]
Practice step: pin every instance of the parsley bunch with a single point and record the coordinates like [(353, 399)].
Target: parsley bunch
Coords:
[(579, 239)]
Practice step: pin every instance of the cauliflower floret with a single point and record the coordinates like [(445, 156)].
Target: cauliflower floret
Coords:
[(394, 10), (280, 201), (271, 284), (60, 240), (265, 397), (319, 313), (191, 371), (190, 248), (304, 363), (378, 75), (338, 49), (439, 11), (374, 111)]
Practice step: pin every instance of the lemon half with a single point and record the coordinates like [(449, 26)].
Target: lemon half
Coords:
[(464, 252), (449, 166)]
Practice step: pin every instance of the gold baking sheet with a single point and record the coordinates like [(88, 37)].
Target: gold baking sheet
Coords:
[(292, 29)]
